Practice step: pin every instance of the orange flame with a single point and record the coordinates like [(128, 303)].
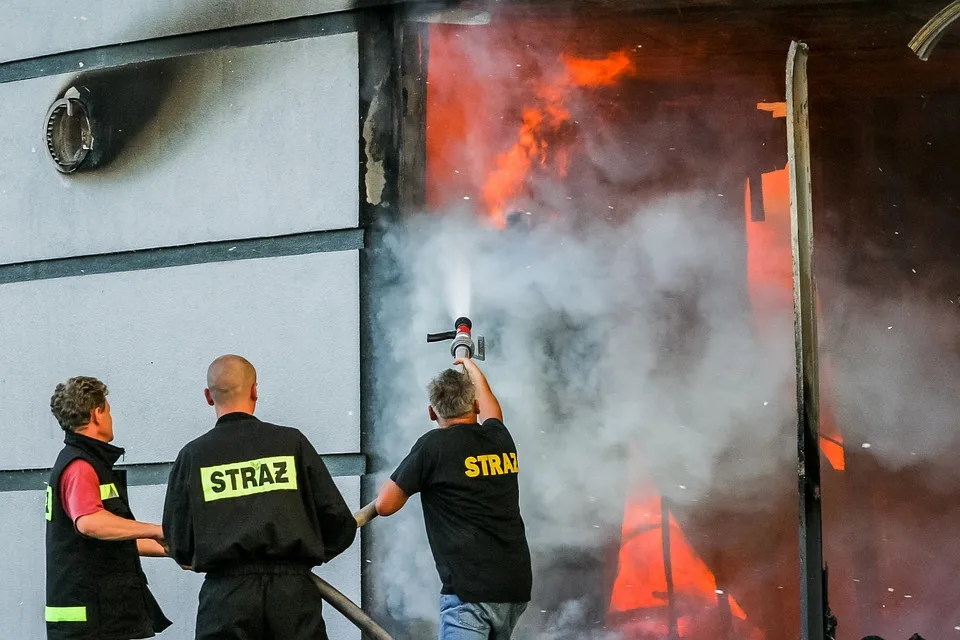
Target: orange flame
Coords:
[(542, 124), (770, 277), (585, 72), (641, 583)]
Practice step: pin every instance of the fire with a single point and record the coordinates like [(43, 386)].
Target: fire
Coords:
[(641, 588), (776, 109), (585, 72), (770, 278), (641, 593), (544, 125)]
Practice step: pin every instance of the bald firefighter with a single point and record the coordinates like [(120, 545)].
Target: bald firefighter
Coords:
[(252, 505)]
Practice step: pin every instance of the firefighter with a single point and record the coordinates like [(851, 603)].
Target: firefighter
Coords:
[(95, 584), (466, 473), (252, 505)]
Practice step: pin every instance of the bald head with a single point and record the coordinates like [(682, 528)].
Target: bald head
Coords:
[(230, 381)]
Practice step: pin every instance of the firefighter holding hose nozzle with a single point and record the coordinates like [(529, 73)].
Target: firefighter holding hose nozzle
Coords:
[(253, 506), (466, 473)]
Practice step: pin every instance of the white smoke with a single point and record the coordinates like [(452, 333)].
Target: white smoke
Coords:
[(892, 365), (625, 355), (620, 353)]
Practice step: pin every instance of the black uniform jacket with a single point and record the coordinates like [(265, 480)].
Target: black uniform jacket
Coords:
[(96, 589), (248, 491)]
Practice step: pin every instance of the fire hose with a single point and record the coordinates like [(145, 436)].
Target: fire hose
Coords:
[(350, 611), (368, 627), (366, 514)]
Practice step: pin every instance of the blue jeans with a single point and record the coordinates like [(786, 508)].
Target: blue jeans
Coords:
[(478, 620)]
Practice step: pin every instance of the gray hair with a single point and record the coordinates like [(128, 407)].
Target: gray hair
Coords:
[(452, 394)]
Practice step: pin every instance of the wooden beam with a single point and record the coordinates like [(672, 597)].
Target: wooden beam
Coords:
[(414, 57), (379, 113), (813, 609), (739, 51), (672, 630)]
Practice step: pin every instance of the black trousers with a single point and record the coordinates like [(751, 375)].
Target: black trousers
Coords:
[(260, 602)]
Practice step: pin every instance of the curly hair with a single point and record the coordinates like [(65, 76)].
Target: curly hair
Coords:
[(451, 394), (72, 402)]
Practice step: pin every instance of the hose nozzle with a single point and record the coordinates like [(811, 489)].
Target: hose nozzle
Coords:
[(463, 346)]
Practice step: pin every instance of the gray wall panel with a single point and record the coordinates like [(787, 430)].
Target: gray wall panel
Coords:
[(150, 335), (249, 142), (344, 572), (31, 28), (22, 565)]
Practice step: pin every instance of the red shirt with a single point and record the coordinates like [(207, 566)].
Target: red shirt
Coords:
[(80, 489)]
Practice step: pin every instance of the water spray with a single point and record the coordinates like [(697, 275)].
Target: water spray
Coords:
[(463, 346)]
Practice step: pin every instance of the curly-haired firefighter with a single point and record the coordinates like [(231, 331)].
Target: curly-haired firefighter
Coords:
[(96, 588), (252, 505)]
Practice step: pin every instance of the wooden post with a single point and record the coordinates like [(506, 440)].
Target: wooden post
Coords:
[(378, 40), (672, 630), (807, 353), (414, 58)]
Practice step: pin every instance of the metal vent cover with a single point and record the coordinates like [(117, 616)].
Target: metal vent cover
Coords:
[(68, 132)]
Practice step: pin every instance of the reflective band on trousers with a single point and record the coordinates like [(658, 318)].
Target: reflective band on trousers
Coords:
[(66, 614), (249, 477), (108, 491)]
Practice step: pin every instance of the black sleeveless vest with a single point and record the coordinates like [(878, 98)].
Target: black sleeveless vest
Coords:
[(96, 589)]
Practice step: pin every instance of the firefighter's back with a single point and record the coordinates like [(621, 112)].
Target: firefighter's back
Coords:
[(253, 500), (252, 505)]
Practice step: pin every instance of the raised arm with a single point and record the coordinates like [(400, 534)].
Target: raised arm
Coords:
[(489, 406)]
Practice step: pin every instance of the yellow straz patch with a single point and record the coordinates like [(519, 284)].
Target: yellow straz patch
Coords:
[(494, 464), (48, 511), (248, 478), (108, 491)]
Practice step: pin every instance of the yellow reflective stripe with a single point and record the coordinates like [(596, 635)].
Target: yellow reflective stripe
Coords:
[(249, 477), (108, 491), (65, 614), (49, 507)]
